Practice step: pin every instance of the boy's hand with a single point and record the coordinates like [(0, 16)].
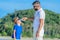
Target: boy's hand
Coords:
[(24, 18)]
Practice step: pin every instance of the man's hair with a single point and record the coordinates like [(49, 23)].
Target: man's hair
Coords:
[(35, 2)]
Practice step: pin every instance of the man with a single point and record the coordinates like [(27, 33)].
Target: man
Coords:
[(38, 23)]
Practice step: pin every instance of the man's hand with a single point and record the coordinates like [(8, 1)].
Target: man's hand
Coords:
[(24, 18), (37, 34)]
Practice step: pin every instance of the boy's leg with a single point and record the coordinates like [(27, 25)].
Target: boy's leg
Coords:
[(17, 39)]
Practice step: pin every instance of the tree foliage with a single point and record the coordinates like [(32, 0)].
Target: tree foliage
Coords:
[(52, 23)]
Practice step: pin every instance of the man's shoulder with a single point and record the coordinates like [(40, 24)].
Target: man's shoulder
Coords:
[(42, 11)]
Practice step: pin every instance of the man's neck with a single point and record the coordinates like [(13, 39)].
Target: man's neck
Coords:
[(39, 9)]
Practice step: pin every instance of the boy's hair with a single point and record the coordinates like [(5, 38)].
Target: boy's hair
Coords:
[(35, 2), (15, 19)]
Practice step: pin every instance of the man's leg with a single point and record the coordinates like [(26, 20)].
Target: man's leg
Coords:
[(34, 36), (41, 34), (40, 38), (37, 38)]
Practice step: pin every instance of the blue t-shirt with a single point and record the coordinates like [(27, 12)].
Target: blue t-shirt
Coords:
[(18, 30)]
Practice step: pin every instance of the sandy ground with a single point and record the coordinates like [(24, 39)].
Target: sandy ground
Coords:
[(9, 38)]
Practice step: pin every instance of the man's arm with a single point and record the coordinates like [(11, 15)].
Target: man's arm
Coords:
[(40, 27), (31, 19), (25, 18), (42, 18)]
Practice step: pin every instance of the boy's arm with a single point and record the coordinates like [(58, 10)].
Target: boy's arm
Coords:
[(21, 36), (14, 35)]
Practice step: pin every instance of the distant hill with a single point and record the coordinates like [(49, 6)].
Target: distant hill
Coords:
[(52, 23)]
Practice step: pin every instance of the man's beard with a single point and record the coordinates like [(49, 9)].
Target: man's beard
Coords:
[(35, 9)]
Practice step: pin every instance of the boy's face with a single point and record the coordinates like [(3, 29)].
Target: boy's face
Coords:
[(18, 21)]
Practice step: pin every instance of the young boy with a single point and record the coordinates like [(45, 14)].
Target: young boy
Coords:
[(18, 28)]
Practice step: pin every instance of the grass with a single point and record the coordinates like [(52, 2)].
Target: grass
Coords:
[(25, 38)]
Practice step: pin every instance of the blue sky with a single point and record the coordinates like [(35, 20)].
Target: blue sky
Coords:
[(9, 6)]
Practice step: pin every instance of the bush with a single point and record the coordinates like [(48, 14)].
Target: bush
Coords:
[(4, 34)]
